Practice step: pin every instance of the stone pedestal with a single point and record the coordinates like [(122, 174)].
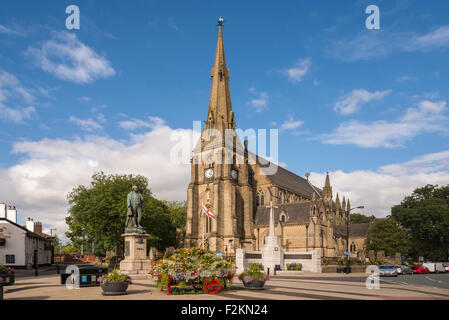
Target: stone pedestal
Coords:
[(136, 263)]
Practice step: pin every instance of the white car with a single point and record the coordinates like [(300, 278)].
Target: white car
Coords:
[(446, 267)]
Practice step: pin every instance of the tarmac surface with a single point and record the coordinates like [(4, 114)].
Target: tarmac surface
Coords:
[(283, 286)]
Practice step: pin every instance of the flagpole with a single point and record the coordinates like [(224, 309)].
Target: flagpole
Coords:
[(202, 243)]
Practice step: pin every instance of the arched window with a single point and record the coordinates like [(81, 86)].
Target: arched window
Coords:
[(257, 198), (262, 199), (208, 224), (352, 247), (283, 218)]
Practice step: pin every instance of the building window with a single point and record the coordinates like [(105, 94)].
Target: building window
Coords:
[(10, 259), (283, 218), (257, 198), (208, 224), (352, 247), (262, 199)]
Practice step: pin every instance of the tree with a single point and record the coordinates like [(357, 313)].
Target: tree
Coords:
[(425, 215), (358, 218), (97, 213), (387, 235), (177, 212)]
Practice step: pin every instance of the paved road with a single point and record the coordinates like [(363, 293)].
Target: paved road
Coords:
[(290, 287), (434, 280)]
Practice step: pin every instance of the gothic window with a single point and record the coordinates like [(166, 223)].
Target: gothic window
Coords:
[(257, 198), (262, 199), (208, 224), (283, 217), (287, 198), (352, 247)]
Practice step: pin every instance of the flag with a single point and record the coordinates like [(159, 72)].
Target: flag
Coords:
[(208, 212)]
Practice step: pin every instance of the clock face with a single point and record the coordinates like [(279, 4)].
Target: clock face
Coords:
[(234, 174), (209, 173)]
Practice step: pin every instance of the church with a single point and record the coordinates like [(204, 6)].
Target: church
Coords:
[(239, 192)]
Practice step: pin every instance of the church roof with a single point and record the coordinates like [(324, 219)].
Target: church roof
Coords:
[(355, 230), (296, 212), (291, 182)]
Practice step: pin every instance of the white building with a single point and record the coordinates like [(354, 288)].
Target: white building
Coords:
[(19, 245)]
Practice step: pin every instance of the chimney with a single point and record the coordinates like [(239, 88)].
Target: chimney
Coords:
[(2, 210), (30, 224), (38, 227), (11, 214)]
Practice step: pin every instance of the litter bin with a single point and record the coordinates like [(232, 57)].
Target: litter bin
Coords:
[(88, 275)]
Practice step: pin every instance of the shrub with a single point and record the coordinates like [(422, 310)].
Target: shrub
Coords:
[(7, 270), (294, 266), (324, 261)]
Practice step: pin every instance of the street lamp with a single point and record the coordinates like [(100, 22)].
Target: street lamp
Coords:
[(348, 267)]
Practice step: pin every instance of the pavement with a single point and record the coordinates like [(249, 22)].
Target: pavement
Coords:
[(283, 286)]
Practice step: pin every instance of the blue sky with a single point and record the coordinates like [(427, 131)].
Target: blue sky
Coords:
[(370, 106)]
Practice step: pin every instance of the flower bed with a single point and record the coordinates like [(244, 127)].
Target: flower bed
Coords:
[(192, 270), (294, 267), (8, 275)]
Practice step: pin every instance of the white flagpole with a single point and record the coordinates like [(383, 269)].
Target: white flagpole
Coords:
[(202, 243)]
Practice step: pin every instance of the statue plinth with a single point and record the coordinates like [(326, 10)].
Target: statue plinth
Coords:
[(136, 263)]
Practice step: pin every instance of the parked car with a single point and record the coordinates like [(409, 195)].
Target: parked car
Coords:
[(398, 269), (446, 267), (434, 267), (388, 271), (419, 269), (405, 270)]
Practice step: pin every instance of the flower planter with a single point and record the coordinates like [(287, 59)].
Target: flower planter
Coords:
[(9, 279), (115, 288), (254, 285)]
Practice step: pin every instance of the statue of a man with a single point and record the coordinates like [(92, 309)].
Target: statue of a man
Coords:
[(134, 202)]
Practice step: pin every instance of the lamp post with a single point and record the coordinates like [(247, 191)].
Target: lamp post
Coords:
[(348, 267)]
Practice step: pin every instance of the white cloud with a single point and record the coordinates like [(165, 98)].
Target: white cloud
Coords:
[(10, 31), (85, 99), (372, 45), (379, 190), (86, 124), (133, 124), (432, 40), (67, 58), (425, 118), (259, 103), (351, 102), (407, 78), (291, 124), (13, 93), (299, 70), (50, 168)]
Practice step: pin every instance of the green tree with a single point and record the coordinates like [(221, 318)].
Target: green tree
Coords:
[(358, 218), (425, 215), (387, 235), (178, 212), (97, 213)]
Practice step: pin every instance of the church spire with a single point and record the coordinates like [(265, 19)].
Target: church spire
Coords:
[(327, 189), (220, 114)]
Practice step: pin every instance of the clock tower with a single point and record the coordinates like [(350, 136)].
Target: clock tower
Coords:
[(221, 177)]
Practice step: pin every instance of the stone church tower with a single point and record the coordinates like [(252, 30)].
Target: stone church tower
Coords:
[(220, 174)]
